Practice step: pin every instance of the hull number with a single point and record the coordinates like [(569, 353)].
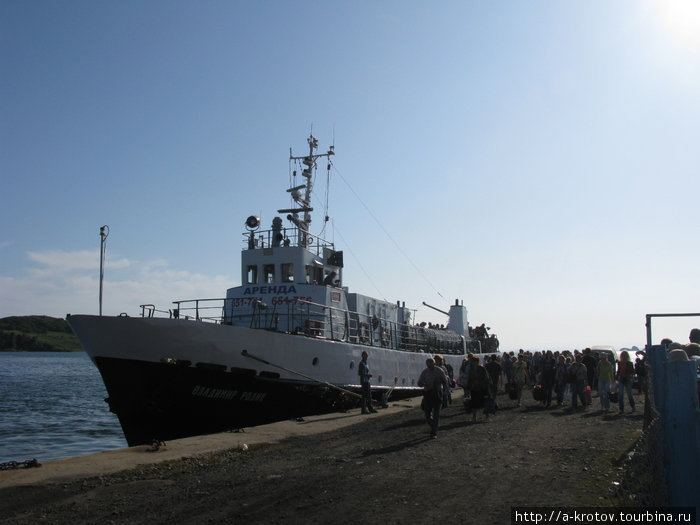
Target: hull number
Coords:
[(277, 300)]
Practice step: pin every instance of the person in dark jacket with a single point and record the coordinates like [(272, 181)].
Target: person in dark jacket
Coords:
[(549, 374), (494, 370), (479, 386), (591, 363), (434, 381), (365, 384)]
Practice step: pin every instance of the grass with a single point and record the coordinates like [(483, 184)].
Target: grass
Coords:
[(595, 487), (46, 342)]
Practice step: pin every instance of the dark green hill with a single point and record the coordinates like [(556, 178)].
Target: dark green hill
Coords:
[(36, 333)]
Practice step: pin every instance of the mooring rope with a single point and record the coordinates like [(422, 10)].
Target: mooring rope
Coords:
[(245, 353)]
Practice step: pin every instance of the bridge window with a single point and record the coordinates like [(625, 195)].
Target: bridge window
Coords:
[(269, 273), (252, 274), (314, 274), (287, 273)]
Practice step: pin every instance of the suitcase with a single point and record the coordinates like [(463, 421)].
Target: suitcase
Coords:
[(538, 393), (512, 391), (587, 396)]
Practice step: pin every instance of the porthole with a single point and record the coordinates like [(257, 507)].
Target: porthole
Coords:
[(380, 379), (403, 381), (315, 361)]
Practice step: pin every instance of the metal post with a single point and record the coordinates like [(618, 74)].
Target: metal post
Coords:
[(104, 232), (649, 317)]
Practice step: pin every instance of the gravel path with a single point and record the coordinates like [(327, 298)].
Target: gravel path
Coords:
[(381, 470)]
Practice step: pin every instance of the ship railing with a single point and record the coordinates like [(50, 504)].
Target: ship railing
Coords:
[(207, 310), (289, 237), (329, 322), (150, 310), (320, 321)]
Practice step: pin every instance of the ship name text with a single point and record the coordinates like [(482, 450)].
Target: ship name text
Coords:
[(221, 393), (282, 289)]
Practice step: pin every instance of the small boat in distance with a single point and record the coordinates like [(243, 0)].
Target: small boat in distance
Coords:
[(285, 343)]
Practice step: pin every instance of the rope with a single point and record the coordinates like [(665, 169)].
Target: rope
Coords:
[(398, 246), (357, 261), (245, 353)]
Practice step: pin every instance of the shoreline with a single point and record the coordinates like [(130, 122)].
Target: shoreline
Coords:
[(113, 461), (345, 468)]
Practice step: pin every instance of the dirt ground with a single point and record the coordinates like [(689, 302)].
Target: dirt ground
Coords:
[(381, 470)]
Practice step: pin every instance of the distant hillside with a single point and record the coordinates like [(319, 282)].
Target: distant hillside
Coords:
[(37, 333)]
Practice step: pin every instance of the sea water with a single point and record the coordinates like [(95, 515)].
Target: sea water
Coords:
[(52, 406)]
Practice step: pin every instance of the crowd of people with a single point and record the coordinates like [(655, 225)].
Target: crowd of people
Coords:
[(555, 378), (559, 378)]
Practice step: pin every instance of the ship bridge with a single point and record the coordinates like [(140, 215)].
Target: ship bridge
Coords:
[(281, 256)]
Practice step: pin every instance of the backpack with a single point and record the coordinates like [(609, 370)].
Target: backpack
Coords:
[(571, 375)]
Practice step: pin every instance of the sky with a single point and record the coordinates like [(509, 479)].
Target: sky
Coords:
[(538, 161)]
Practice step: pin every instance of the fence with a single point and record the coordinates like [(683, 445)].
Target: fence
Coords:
[(674, 390), (663, 469)]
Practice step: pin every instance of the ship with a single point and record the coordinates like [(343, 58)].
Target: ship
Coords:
[(285, 344)]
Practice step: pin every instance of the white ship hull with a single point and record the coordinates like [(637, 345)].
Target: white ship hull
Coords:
[(170, 378)]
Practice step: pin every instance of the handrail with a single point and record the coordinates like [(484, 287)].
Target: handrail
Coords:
[(318, 320), (263, 238), (197, 308)]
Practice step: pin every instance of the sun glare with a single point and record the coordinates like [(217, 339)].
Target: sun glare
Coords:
[(681, 20)]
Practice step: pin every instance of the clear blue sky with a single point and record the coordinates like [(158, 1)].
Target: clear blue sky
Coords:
[(538, 160)]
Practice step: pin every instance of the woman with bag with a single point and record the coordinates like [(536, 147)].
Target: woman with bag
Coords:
[(479, 387), (625, 375), (606, 374), (560, 379), (464, 374), (446, 391)]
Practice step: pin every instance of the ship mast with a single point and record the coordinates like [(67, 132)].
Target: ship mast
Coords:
[(304, 200)]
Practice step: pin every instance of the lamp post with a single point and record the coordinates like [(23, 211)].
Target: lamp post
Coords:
[(104, 232)]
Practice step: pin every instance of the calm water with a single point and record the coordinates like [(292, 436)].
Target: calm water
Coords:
[(52, 406)]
